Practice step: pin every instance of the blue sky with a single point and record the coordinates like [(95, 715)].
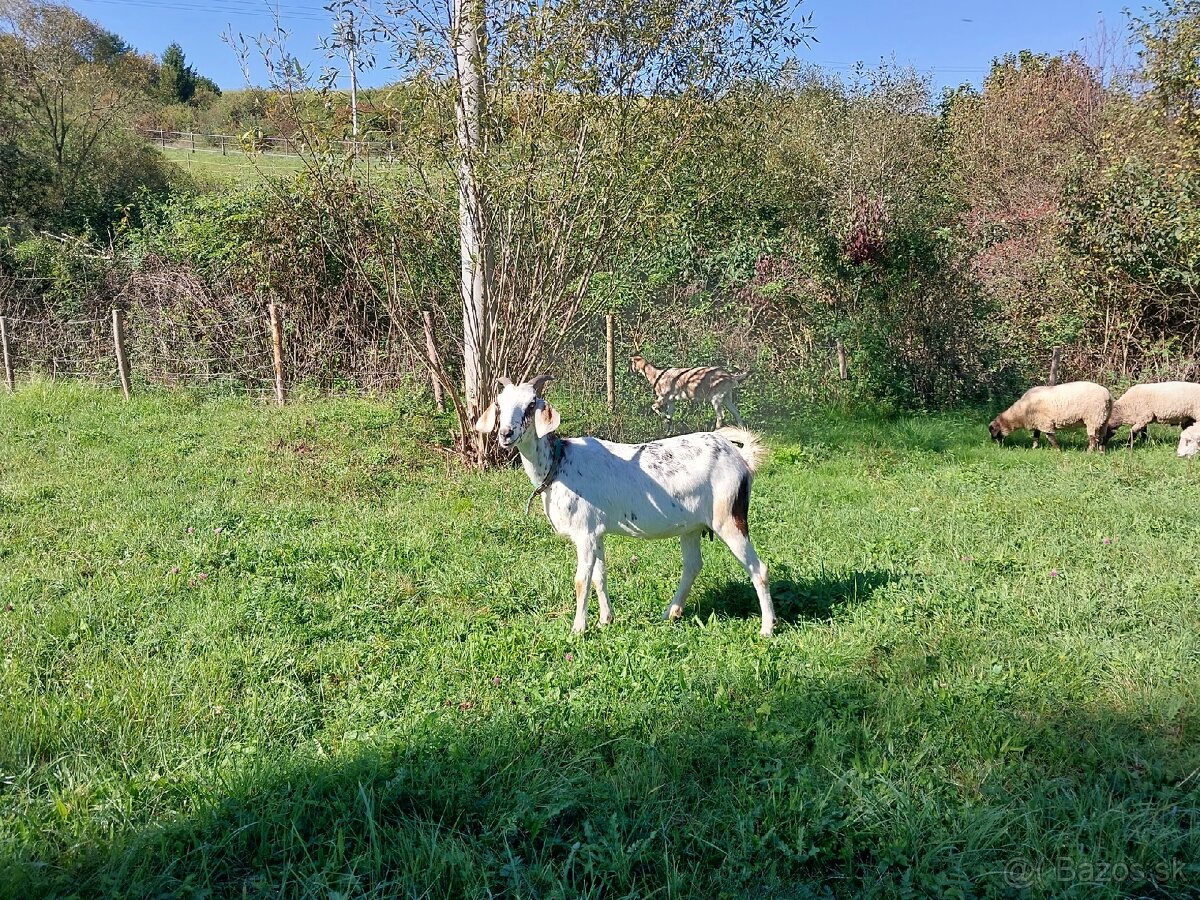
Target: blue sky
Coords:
[(951, 40)]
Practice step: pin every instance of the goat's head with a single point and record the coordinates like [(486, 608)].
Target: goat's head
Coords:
[(637, 363), (515, 408), (1189, 442)]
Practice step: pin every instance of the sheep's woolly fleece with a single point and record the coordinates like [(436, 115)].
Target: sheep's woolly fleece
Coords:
[(1048, 408)]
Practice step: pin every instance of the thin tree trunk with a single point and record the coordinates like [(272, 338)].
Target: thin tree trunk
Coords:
[(473, 238)]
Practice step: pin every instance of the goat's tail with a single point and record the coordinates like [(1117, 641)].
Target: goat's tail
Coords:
[(748, 445)]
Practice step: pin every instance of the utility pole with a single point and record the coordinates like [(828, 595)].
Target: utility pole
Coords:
[(351, 46)]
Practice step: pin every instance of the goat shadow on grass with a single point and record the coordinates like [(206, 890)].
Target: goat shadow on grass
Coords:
[(796, 599)]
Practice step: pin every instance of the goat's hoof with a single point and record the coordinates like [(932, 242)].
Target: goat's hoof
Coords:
[(768, 629), (673, 614), (579, 628), (606, 620)]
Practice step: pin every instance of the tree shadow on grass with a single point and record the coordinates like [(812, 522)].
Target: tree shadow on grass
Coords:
[(821, 785), (795, 599)]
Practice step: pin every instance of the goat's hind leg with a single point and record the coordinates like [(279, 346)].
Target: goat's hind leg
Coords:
[(737, 416), (586, 552), (739, 544), (692, 561)]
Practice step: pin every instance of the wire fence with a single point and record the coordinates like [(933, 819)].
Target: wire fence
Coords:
[(166, 325), (233, 355), (255, 142)]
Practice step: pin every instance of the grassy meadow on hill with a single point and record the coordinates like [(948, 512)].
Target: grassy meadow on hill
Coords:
[(297, 651)]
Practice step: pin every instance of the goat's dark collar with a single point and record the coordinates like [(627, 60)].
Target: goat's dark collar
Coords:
[(556, 455)]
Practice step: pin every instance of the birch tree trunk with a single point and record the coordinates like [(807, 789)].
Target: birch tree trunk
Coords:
[(474, 252)]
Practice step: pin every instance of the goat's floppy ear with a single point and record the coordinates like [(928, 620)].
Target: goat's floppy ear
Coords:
[(546, 419), (486, 423)]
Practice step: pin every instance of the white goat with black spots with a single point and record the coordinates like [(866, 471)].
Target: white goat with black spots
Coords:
[(676, 487)]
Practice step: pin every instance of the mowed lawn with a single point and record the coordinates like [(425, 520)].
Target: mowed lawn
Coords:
[(250, 651)]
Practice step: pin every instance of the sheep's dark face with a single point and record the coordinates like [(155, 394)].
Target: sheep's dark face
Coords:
[(996, 429)]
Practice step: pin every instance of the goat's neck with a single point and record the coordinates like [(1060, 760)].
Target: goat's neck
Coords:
[(537, 457), (651, 373)]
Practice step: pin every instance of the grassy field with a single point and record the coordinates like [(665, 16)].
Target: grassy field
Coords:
[(234, 166), (240, 168), (297, 652)]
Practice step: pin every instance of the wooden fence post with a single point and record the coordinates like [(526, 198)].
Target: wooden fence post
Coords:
[(8, 372), (118, 326), (843, 366), (431, 352), (610, 361), (1055, 359), (277, 351)]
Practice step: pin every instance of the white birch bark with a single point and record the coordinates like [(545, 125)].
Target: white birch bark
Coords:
[(468, 30)]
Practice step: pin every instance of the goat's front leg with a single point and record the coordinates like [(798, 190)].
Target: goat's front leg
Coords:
[(585, 550), (718, 406), (692, 562), (600, 582)]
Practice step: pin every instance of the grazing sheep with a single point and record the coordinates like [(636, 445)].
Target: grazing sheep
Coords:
[(1048, 408), (677, 487), (1168, 402), (710, 384), (1189, 442)]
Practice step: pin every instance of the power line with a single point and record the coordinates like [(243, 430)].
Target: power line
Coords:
[(182, 6), (254, 6), (964, 70)]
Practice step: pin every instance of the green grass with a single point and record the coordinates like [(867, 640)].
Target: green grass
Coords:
[(234, 165), (364, 683), (237, 167)]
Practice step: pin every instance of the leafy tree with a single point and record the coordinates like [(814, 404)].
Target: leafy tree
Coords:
[(557, 122), (68, 93), (110, 47), (1131, 219), (1170, 40), (176, 79), (1016, 148)]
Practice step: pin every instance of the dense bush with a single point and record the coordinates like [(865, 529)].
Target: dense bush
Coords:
[(948, 247)]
